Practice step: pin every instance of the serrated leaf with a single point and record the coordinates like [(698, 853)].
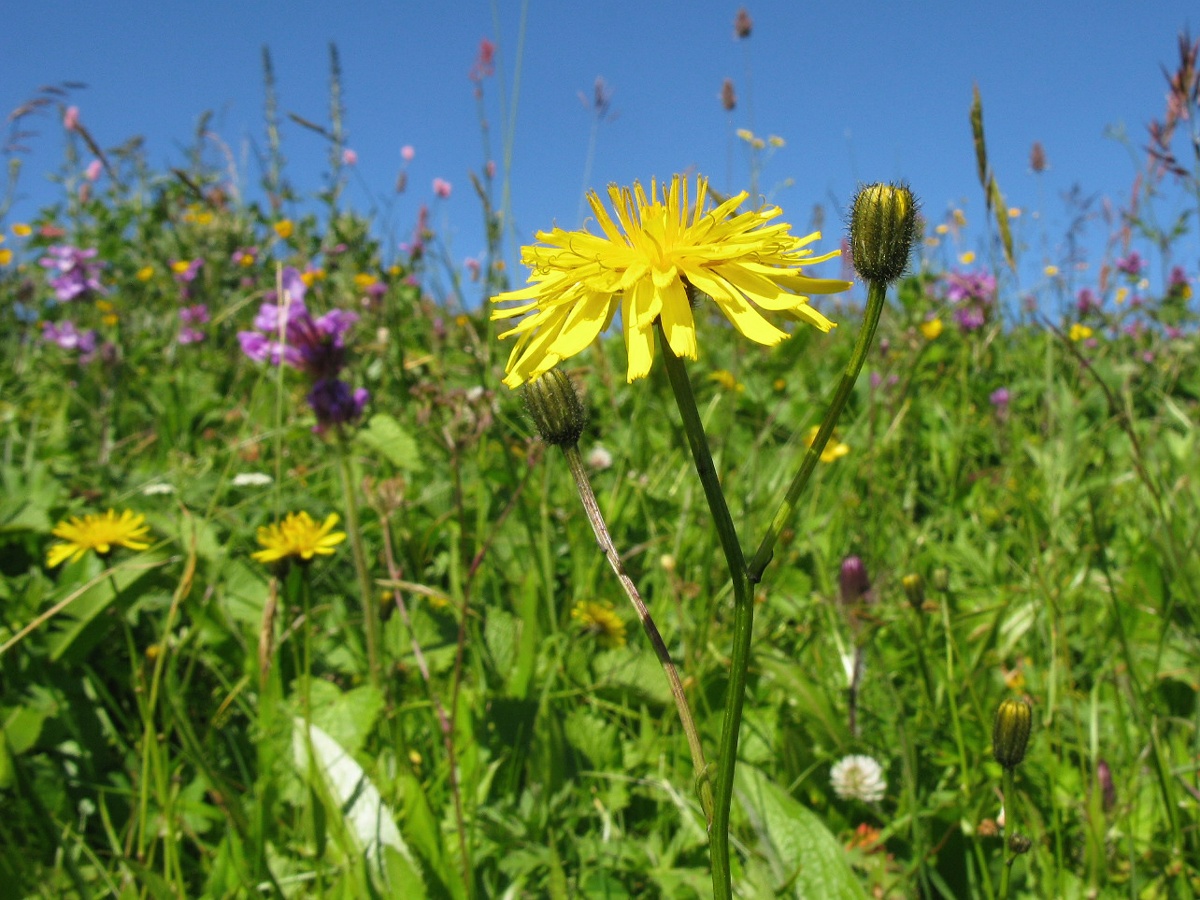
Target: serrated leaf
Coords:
[(387, 437)]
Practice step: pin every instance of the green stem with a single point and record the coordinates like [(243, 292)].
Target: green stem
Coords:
[(604, 539), (743, 617), (1010, 830), (876, 292), (371, 621)]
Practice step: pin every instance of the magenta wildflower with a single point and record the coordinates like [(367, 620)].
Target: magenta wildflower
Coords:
[(999, 399), (189, 318), (93, 170), (853, 583), (973, 294), (77, 274), (407, 152), (1086, 301), (71, 339), (485, 62), (1132, 264), (349, 157), (71, 118), (441, 188), (185, 273)]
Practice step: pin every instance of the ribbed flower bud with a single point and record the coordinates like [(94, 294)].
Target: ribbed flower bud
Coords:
[(1019, 844), (852, 580), (556, 408), (914, 589), (1010, 732), (883, 228)]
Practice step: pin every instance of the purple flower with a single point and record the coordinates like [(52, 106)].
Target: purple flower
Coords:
[(999, 399), (1178, 277), (335, 404), (1132, 264), (71, 339), (853, 583), (972, 294), (189, 317), (1086, 301), (77, 274), (186, 273)]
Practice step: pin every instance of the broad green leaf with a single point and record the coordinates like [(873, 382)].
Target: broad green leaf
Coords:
[(390, 440)]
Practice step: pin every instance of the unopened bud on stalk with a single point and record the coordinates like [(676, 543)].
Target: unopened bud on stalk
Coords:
[(914, 590), (1019, 844), (852, 580), (556, 409), (1010, 732), (883, 228)]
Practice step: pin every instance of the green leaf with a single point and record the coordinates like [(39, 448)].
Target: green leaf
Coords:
[(801, 849), (388, 438)]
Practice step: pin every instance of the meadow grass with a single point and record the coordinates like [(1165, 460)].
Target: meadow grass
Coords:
[(1019, 484)]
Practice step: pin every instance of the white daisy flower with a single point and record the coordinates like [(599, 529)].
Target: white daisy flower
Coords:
[(858, 778)]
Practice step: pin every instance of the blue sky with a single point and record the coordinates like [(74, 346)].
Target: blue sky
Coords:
[(858, 91)]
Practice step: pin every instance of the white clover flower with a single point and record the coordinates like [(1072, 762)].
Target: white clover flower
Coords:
[(252, 479), (600, 458), (858, 778)]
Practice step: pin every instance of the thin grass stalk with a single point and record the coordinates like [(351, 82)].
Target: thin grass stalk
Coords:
[(371, 621)]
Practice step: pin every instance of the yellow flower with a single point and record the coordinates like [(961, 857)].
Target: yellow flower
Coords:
[(110, 319), (298, 536), (312, 276), (5, 256), (959, 219), (725, 379), (104, 306), (101, 533), (775, 141), (942, 228), (1079, 332), (1122, 294), (745, 134), (145, 273), (931, 329), (20, 229), (1050, 271), (284, 228), (967, 258), (600, 621), (659, 255), (834, 449), (363, 280), (1014, 212)]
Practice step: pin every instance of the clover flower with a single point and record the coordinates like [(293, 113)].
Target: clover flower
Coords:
[(658, 257), (71, 339), (858, 778)]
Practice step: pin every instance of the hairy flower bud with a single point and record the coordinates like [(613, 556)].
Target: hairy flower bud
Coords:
[(556, 408), (883, 227), (1010, 732), (914, 589)]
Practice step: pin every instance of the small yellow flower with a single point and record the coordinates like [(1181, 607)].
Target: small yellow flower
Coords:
[(394, 271), (931, 328), (462, 320), (298, 536), (834, 449), (1050, 271), (101, 533), (959, 219), (943, 228), (1079, 332), (145, 273), (6, 256), (966, 258), (246, 260), (1014, 212), (932, 242), (600, 621), (1122, 294), (775, 141), (725, 379), (758, 143), (745, 134), (661, 253), (104, 306), (312, 276), (364, 280), (779, 384), (284, 228), (110, 319), (20, 229)]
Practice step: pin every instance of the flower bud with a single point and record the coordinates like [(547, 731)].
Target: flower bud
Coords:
[(914, 589), (883, 227), (852, 580), (556, 409), (1010, 732), (1019, 844)]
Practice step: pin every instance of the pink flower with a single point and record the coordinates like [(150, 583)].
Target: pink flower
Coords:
[(472, 266), (71, 118), (92, 172), (441, 187), (485, 61), (349, 157), (490, 168), (407, 152)]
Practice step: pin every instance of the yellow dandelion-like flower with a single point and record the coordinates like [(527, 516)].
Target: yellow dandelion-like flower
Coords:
[(20, 229), (931, 328), (1014, 212), (180, 266), (1050, 271), (834, 449), (943, 228), (600, 621), (284, 228), (726, 379), (298, 536), (101, 533), (1122, 294), (6, 256), (967, 257), (364, 280), (661, 253), (776, 141), (145, 273), (745, 134), (1079, 332)]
